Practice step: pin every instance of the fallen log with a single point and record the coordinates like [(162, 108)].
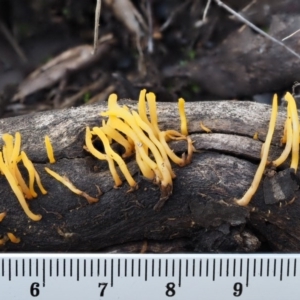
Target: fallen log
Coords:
[(201, 215)]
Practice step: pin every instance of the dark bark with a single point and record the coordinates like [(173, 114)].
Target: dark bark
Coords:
[(201, 214)]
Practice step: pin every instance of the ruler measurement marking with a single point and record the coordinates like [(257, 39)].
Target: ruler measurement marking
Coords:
[(112, 272), (207, 265), (186, 268), (44, 272), (132, 267), (57, 268), (234, 263), (71, 267), (159, 267), (16, 267), (247, 276), (179, 279), (281, 271), (173, 268), (104, 267), (9, 269), (50, 268), (77, 269), (193, 267), (152, 267), (84, 268), (13, 268), (36, 267), (146, 269), (214, 269), (227, 268), (241, 267), (200, 268), (64, 267), (166, 268), (139, 268)]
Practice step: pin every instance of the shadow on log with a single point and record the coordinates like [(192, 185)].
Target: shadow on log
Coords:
[(200, 216)]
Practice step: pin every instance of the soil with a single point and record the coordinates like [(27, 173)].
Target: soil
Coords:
[(163, 46)]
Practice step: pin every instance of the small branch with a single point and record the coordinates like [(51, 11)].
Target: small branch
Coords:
[(251, 25), (206, 10), (287, 37), (97, 23)]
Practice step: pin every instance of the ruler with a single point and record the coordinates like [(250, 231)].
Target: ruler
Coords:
[(153, 277)]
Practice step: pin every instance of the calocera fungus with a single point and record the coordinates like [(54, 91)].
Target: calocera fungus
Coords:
[(13, 238), (49, 150), (2, 216), (259, 173), (183, 121), (204, 128), (9, 159), (136, 133), (295, 130), (65, 181), (14, 186)]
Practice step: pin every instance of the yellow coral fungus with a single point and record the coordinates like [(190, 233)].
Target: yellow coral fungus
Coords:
[(70, 186), (115, 157), (13, 238), (204, 128), (255, 136), (89, 147), (2, 216), (30, 168), (183, 124), (49, 150), (13, 184), (259, 173), (295, 134), (151, 100)]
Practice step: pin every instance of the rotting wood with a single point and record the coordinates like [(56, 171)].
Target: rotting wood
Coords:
[(201, 214)]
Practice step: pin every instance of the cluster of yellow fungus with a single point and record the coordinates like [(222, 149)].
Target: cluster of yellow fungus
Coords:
[(10, 156), (141, 136), (290, 138)]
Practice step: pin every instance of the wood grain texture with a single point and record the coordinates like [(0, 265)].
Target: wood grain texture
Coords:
[(201, 215)]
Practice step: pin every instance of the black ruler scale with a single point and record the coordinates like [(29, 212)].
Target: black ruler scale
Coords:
[(144, 276)]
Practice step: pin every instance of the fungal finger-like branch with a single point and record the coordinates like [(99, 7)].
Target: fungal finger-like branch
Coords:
[(259, 173), (65, 181), (14, 186), (183, 121), (295, 128), (109, 151), (90, 148)]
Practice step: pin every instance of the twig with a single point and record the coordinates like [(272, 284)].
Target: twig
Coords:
[(150, 26), (13, 42), (206, 10), (287, 37), (251, 25), (97, 24)]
